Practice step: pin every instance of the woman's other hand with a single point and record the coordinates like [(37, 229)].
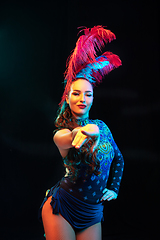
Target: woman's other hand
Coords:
[(108, 195)]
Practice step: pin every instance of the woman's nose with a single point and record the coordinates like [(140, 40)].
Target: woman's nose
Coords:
[(82, 99)]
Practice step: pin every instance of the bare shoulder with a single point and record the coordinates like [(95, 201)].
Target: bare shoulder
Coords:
[(60, 134), (63, 140)]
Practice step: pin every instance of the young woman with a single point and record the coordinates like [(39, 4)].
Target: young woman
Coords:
[(73, 208)]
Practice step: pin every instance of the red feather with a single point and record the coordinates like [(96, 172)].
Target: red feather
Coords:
[(86, 47), (85, 52), (114, 62)]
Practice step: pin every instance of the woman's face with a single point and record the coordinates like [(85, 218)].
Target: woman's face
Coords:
[(80, 98)]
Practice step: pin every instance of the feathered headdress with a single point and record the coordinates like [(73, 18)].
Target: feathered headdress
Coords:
[(83, 61)]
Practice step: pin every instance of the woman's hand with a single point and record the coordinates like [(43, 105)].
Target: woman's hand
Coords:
[(108, 195), (84, 133)]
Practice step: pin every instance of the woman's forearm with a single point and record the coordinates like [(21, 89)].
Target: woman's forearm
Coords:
[(64, 138)]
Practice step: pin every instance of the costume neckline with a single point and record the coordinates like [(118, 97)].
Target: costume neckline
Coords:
[(82, 121)]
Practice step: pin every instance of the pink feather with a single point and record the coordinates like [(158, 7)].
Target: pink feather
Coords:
[(85, 52), (114, 62), (86, 49)]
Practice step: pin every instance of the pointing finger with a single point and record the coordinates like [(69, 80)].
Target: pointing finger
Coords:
[(81, 142)]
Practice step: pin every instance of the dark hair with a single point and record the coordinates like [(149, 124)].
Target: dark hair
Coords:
[(75, 156)]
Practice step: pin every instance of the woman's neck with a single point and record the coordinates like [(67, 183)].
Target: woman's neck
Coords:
[(82, 121), (80, 117)]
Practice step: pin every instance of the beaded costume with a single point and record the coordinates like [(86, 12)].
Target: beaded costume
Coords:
[(79, 202)]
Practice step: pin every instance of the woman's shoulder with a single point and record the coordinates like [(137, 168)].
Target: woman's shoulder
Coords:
[(100, 123), (59, 133), (103, 127)]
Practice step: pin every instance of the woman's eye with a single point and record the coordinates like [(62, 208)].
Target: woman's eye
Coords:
[(75, 94), (89, 95)]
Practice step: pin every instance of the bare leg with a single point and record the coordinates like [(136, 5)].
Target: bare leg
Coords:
[(55, 226), (92, 233)]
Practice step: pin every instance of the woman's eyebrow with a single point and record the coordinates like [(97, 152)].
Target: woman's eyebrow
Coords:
[(80, 90)]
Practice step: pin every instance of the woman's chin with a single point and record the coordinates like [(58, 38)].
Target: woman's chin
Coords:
[(80, 114)]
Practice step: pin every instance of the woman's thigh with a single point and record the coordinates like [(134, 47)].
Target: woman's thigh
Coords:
[(93, 233), (55, 226)]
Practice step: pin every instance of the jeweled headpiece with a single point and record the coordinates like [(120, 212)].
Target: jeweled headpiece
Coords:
[(84, 62)]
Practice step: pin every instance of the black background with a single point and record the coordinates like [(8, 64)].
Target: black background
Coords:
[(36, 38)]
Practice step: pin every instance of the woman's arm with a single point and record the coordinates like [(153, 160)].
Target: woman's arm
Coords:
[(63, 139), (66, 139), (116, 176), (117, 168)]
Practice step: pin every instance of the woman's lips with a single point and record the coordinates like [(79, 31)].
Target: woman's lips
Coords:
[(82, 106)]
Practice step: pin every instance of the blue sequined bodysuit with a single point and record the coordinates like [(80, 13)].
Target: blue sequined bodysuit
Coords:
[(79, 201), (91, 188)]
